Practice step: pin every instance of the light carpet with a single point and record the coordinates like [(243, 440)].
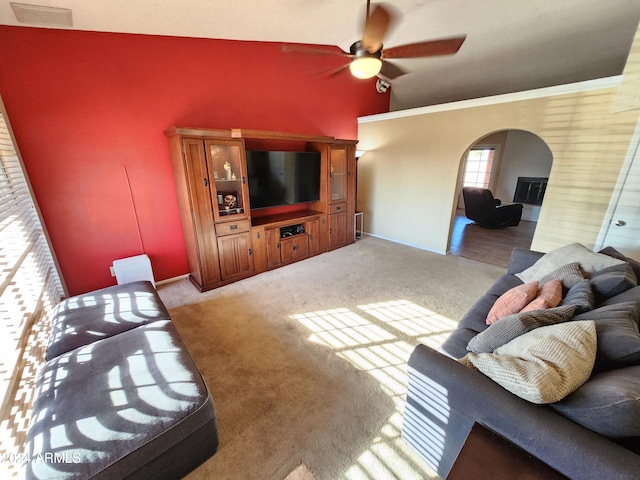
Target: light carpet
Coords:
[(307, 363)]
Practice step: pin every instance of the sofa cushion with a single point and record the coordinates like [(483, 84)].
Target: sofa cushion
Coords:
[(116, 404), (612, 281), (589, 261), (456, 344), (549, 296), (580, 296), (618, 335), (512, 301), (609, 403), (512, 326), (83, 319), (543, 365)]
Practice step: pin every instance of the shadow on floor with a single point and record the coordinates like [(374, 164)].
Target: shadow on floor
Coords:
[(492, 246)]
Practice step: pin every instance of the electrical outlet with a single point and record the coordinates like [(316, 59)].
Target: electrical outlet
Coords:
[(112, 271)]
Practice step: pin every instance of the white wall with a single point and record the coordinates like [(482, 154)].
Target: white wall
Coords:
[(525, 155)]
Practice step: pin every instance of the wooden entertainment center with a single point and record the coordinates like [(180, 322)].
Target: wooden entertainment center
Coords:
[(226, 240)]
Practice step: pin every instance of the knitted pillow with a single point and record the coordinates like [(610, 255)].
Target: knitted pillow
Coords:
[(544, 365), (512, 326), (568, 274), (512, 301)]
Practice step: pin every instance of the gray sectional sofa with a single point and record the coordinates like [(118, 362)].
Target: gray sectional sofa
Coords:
[(119, 395), (594, 432)]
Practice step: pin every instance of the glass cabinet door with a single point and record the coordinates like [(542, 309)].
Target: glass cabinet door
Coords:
[(338, 165), (227, 175)]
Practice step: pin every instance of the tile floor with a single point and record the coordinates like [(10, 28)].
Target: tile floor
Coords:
[(485, 245)]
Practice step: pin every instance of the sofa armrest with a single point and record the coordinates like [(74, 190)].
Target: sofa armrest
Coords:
[(521, 259), (445, 398)]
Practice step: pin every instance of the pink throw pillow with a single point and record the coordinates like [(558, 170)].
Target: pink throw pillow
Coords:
[(512, 301), (549, 296)]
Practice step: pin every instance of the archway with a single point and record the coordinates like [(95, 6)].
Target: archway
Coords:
[(515, 165)]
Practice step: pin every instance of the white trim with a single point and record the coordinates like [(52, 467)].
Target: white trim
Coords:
[(570, 88), (633, 154), (172, 279)]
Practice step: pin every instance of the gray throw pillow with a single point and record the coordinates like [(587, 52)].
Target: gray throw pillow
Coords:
[(512, 326), (618, 335), (580, 296), (612, 252), (612, 281)]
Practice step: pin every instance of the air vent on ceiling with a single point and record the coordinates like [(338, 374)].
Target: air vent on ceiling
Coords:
[(39, 15)]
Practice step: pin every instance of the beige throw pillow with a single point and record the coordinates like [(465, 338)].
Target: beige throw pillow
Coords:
[(589, 261), (544, 365)]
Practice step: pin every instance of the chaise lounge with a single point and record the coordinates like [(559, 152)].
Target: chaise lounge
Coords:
[(119, 395)]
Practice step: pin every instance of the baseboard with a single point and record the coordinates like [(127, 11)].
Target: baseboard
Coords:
[(172, 279)]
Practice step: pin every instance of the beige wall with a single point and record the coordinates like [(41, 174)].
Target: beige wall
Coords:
[(409, 175)]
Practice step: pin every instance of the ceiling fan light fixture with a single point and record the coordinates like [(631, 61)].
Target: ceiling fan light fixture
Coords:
[(365, 67)]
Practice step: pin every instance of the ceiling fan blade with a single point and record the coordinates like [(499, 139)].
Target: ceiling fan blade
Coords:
[(391, 71), (376, 28), (313, 50), (431, 48)]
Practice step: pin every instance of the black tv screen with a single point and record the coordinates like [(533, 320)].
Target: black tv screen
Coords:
[(282, 178)]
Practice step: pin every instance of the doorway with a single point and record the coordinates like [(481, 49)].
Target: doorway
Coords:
[(503, 161)]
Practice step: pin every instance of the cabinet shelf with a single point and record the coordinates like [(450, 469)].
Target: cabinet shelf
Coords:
[(275, 220), (228, 213)]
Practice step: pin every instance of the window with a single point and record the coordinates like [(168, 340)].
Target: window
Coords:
[(478, 166), (30, 287)]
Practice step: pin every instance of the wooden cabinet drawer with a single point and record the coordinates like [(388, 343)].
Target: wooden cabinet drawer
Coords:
[(338, 208), (228, 228), (294, 248)]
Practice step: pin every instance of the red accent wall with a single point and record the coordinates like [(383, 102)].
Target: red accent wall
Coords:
[(88, 111)]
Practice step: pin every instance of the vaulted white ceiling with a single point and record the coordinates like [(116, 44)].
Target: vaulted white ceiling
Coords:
[(511, 45)]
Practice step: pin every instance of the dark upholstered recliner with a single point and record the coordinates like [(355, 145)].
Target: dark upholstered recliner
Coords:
[(486, 211)]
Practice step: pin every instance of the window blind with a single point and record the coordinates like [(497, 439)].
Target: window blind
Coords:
[(30, 287)]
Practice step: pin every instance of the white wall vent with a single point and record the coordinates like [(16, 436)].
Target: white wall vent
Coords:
[(133, 269), (39, 15)]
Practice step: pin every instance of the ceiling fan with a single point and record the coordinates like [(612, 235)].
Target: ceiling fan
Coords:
[(369, 58)]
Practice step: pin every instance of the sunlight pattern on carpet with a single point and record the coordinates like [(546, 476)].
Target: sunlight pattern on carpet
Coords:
[(378, 339)]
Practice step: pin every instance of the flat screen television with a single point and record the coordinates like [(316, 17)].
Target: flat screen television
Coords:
[(282, 178)]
